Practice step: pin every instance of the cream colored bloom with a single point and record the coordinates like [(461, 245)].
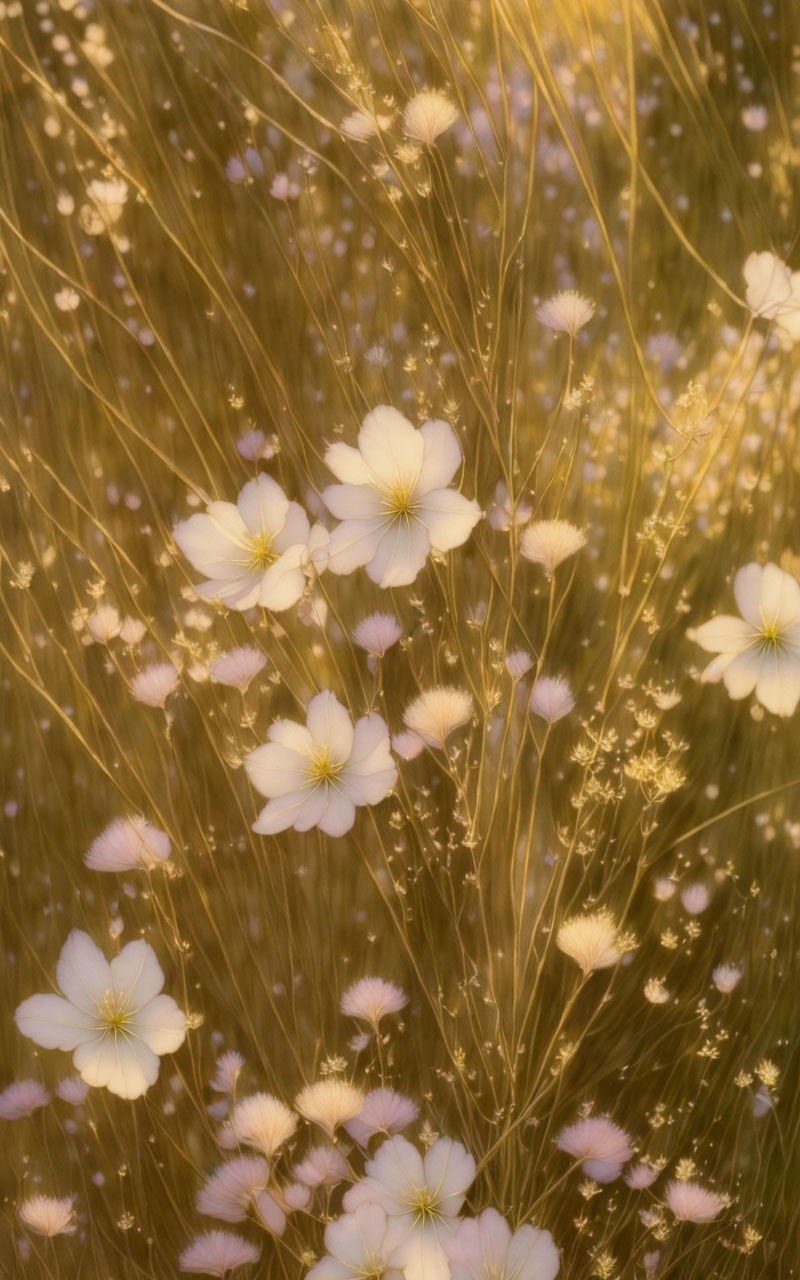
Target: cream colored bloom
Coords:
[(317, 774), (111, 1015), (551, 698), (591, 940), (429, 114), (435, 713), (127, 843), (549, 542), (394, 503), (254, 552), (262, 1121), (48, 1215), (760, 650), (567, 312), (329, 1103), (692, 1203)]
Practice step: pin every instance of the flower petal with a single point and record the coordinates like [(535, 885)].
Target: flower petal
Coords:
[(137, 973), (124, 1066), (724, 634), (391, 447), (778, 687), (82, 972), (449, 518), (780, 598), (354, 543), (55, 1023), (353, 501), (330, 725), (280, 813), (347, 464), (747, 593), (160, 1024), (263, 506), (275, 770), (284, 582), (442, 455), (741, 676), (400, 555)]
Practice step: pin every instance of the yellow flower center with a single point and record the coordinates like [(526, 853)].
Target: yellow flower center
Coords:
[(113, 1013), (323, 769), (262, 555), (400, 502), (424, 1204), (770, 636)]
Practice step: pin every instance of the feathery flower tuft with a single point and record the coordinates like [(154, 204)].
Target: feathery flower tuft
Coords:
[(231, 1191), (551, 698), (549, 542), (428, 114), (591, 940), (566, 312), (371, 999), (726, 977), (104, 623), (237, 667), (692, 1203), (377, 633), (323, 1167), (215, 1253), (436, 712), (22, 1098), (127, 843), (262, 1121), (154, 684), (329, 1103), (601, 1146), (384, 1111), (227, 1069), (48, 1215)]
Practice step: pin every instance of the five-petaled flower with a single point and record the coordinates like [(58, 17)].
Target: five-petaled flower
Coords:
[(761, 650), (111, 1014), (315, 775), (393, 502), (256, 552)]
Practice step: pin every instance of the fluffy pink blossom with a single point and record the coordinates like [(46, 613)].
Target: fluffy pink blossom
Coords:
[(22, 1098), (215, 1253), (600, 1145), (371, 999), (692, 1203), (384, 1111), (128, 843)]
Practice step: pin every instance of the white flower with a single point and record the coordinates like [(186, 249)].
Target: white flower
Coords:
[(237, 667), (760, 650), (695, 898), (591, 940), (255, 552), (21, 1098), (567, 312), (384, 1111), (420, 1194), (434, 714), (127, 843), (769, 284), (692, 1203), (48, 1215), (726, 978), (551, 698), (548, 542), (110, 1014), (329, 1103), (600, 1145), (231, 1191), (104, 623), (322, 1167), (394, 503), (155, 683), (262, 1121), (429, 113), (228, 1068), (483, 1248), (371, 999), (216, 1252), (360, 125), (315, 775), (67, 299), (359, 1245), (377, 633)]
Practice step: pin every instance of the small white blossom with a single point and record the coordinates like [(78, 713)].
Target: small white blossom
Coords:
[(110, 1014), (428, 114), (760, 650), (315, 775), (566, 312), (394, 503)]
